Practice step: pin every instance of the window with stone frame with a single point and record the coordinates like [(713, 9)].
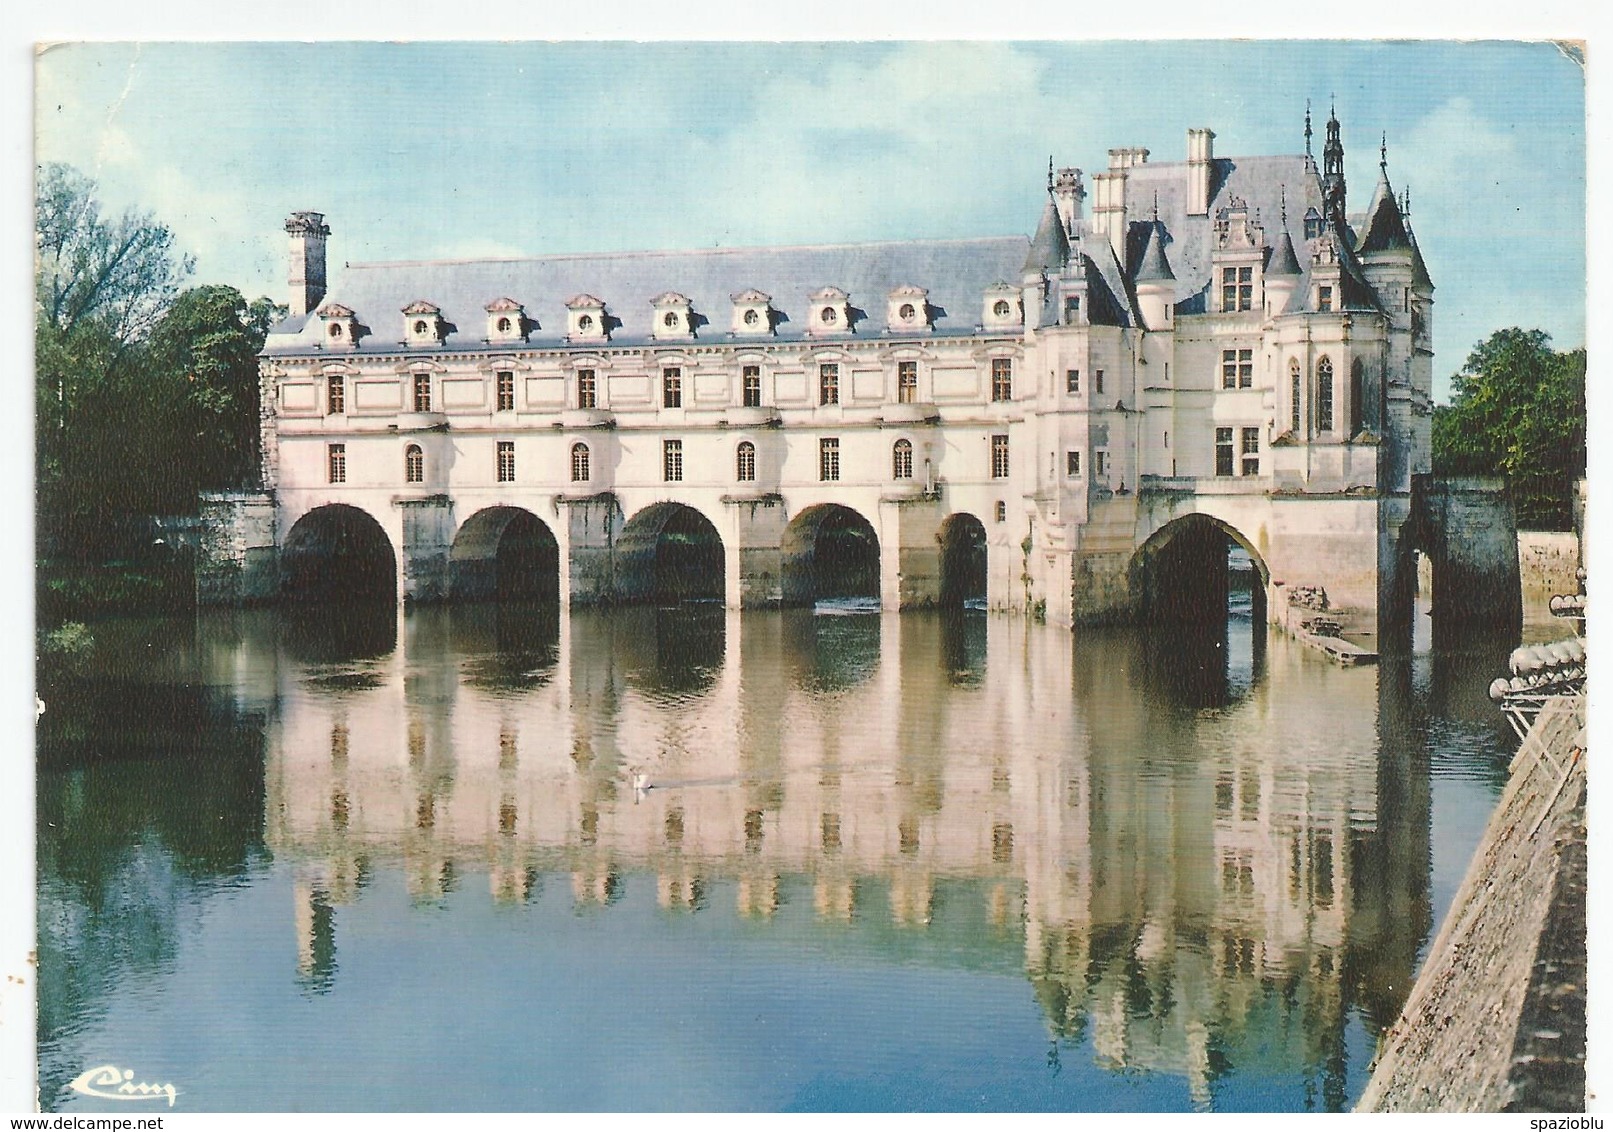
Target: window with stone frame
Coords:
[(1072, 464), (506, 461), (1224, 455), (336, 462), (1324, 298), (1237, 288), (1097, 381), (1002, 379), (587, 390), (422, 393), (902, 460), (907, 382), (1295, 397), (335, 394), (581, 463), (672, 460), (829, 384), (1072, 381), (829, 458), (414, 464), (999, 456), (1237, 369), (672, 388), (1324, 395), (751, 387), (505, 380), (1250, 451), (745, 462)]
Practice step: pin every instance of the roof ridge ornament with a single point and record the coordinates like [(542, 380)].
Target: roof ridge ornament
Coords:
[(1383, 153), (1307, 128)]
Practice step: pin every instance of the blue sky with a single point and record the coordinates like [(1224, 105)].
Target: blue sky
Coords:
[(446, 150)]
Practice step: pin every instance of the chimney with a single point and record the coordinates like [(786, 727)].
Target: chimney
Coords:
[(1071, 195), (307, 231), (1109, 208), (1200, 162)]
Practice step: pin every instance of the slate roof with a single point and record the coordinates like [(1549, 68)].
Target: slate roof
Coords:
[(956, 274)]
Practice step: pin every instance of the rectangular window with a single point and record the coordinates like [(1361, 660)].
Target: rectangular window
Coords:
[(829, 458), (907, 382), (336, 462), (1002, 511), (1251, 451), (506, 391), (1072, 308), (999, 456), (1237, 369), (422, 393), (1002, 379), (587, 391), (1072, 464), (1097, 381), (1324, 298), (336, 394), (1100, 463), (672, 460), (506, 461), (751, 386), (1223, 452), (1072, 381), (672, 388), (1237, 288), (829, 384)]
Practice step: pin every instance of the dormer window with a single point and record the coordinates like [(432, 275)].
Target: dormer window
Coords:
[(506, 321), (753, 312), (908, 309), (673, 318), (830, 312), (340, 324), (1002, 306), (585, 318), (423, 324)]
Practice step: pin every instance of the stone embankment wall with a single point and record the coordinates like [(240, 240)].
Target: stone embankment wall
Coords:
[(1546, 563), (1496, 1021)]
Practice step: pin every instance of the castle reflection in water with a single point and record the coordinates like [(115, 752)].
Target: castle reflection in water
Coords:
[(1205, 852)]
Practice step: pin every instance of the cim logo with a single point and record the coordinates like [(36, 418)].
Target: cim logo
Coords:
[(111, 1083)]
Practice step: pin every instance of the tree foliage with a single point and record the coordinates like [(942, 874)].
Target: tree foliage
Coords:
[(1518, 410), (145, 393)]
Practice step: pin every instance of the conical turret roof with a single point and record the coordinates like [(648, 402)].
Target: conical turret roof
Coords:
[(1051, 247), (1155, 268), (1283, 260), (1385, 227)]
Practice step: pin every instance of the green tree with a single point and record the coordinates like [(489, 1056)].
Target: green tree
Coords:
[(1518, 410)]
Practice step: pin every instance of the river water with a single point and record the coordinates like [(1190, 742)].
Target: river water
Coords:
[(495, 858)]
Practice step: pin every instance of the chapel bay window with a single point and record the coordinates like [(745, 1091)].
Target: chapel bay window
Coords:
[(1295, 388), (335, 394), (751, 384), (1251, 452), (829, 384), (587, 390), (1324, 395), (414, 464), (902, 460), (1237, 369), (999, 456), (1237, 288), (672, 388), (580, 463), (672, 460), (1002, 379), (829, 458), (506, 461), (907, 382), (1223, 452), (506, 390), (422, 393), (745, 462), (336, 462)]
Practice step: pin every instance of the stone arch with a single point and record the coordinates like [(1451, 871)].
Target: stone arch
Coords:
[(338, 553), (669, 552), (1180, 574), (829, 551), (504, 554), (963, 559)]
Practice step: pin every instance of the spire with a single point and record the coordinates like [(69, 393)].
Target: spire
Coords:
[(1308, 158), (1156, 206), (1155, 268), (1383, 153), (1050, 248), (1283, 260), (1333, 191), (1050, 172), (1385, 227)]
